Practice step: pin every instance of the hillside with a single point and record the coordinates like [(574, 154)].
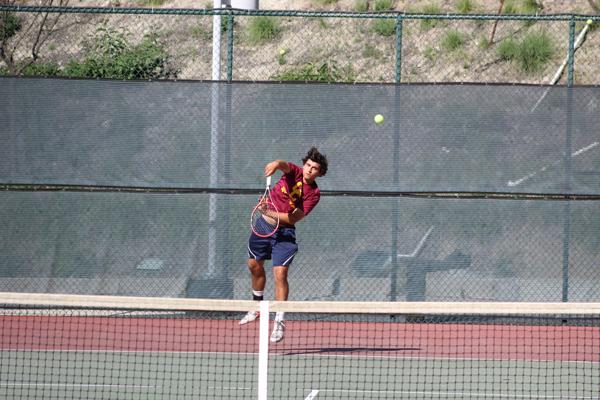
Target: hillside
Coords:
[(483, 6), (351, 49)]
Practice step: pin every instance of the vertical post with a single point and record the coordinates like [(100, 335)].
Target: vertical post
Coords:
[(263, 350), (398, 48), (568, 172), (571, 55), (214, 142), (226, 136), (396, 159), (229, 46)]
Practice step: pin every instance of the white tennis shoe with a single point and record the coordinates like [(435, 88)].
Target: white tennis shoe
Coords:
[(251, 316), (278, 329)]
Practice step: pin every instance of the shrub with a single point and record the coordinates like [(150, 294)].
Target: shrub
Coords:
[(531, 53), (534, 51), (262, 29), (42, 69), (10, 24), (508, 49), (384, 27), (383, 5), (509, 8), (464, 6), (361, 5), (110, 55), (327, 71), (452, 41), (430, 23)]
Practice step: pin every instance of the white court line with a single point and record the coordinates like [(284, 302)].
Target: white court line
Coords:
[(545, 167), (312, 395), (75, 385), (459, 394)]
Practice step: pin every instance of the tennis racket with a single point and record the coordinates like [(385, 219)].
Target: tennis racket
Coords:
[(265, 217)]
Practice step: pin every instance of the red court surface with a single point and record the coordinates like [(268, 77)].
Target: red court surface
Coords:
[(367, 339)]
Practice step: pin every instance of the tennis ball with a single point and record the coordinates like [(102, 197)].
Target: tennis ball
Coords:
[(378, 119), (589, 22), (282, 52)]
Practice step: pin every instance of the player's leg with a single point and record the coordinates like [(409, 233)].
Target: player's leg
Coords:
[(282, 288), (259, 279), (259, 250), (284, 251)]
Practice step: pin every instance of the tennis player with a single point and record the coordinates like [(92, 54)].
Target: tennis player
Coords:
[(295, 195)]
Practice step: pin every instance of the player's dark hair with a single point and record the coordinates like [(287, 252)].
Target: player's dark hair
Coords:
[(314, 155)]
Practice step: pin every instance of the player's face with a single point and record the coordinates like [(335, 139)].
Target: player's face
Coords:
[(311, 170)]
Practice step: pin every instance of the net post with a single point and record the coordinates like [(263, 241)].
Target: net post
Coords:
[(263, 350)]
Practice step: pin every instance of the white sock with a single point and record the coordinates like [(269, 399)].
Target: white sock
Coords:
[(279, 315), (257, 295)]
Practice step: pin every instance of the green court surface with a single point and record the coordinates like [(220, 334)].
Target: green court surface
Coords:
[(80, 374)]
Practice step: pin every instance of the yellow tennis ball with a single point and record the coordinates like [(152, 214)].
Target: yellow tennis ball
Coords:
[(378, 119), (589, 22)]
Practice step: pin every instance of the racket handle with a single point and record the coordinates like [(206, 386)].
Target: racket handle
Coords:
[(268, 181)]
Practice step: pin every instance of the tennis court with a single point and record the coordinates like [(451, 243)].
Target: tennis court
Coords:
[(104, 352)]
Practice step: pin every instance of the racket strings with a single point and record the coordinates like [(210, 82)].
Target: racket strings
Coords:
[(265, 219)]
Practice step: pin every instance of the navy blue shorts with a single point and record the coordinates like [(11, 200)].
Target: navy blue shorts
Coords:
[(281, 247)]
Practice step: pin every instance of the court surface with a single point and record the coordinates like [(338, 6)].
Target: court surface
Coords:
[(176, 360)]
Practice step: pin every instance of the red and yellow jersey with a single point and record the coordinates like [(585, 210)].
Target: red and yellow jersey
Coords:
[(290, 192)]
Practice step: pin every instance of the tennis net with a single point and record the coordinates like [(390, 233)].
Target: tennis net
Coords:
[(100, 347)]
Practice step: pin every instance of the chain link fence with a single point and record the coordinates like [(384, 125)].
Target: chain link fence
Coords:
[(466, 192), (126, 43)]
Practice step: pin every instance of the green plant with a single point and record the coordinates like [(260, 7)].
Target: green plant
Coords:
[(153, 3), (325, 2), (429, 23), (508, 49), (452, 40), (10, 24), (361, 5), (42, 69), (262, 29), (327, 71), (281, 56), (108, 54), (384, 27), (464, 6), (484, 43), (510, 8), (531, 53), (430, 53), (371, 52), (531, 7), (383, 5), (534, 51)]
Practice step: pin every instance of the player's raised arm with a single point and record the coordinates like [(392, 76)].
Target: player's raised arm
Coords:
[(273, 166)]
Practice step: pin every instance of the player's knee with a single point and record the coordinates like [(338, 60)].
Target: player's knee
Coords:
[(255, 266), (280, 274)]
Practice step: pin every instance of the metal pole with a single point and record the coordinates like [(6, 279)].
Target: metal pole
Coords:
[(398, 49), (214, 142), (396, 129), (567, 188)]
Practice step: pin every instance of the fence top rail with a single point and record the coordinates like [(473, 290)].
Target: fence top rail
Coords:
[(290, 13)]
